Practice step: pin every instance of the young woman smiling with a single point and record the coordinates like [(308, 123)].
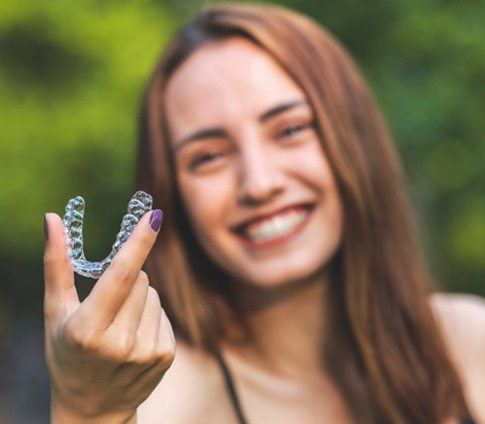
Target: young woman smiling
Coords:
[(288, 263)]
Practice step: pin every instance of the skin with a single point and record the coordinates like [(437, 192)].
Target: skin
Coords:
[(251, 168), (105, 354), (258, 160)]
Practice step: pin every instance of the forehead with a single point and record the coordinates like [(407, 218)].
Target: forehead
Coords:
[(223, 83)]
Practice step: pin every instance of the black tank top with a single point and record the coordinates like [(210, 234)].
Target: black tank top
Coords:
[(231, 389)]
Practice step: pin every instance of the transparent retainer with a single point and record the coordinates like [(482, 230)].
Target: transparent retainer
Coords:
[(139, 204)]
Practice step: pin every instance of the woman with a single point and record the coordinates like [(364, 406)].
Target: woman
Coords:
[(288, 264)]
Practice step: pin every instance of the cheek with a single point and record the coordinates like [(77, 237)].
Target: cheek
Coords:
[(206, 200), (312, 165), (315, 169)]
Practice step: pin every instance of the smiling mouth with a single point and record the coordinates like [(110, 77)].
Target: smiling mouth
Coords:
[(278, 226)]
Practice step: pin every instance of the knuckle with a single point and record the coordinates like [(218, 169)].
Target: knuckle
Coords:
[(122, 271), (152, 352), (142, 281), (165, 351), (81, 338), (165, 357), (153, 296), (143, 277), (123, 346), (144, 358)]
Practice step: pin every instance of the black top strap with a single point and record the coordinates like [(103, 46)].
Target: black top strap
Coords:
[(231, 388), (468, 420)]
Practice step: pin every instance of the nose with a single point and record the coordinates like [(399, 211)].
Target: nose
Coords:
[(261, 177)]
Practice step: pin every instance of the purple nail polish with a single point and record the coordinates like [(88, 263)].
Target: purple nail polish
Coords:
[(156, 219), (46, 228)]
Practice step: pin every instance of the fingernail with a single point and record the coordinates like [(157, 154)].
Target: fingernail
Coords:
[(156, 219), (46, 228)]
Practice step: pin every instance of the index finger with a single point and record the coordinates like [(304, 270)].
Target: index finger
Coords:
[(114, 286)]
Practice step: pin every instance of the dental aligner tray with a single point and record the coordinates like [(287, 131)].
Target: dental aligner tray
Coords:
[(139, 204)]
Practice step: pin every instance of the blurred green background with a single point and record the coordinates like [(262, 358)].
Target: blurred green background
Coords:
[(71, 79)]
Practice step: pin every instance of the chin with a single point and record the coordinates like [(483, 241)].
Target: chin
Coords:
[(280, 277)]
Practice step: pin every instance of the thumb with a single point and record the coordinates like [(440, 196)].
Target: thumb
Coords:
[(60, 292)]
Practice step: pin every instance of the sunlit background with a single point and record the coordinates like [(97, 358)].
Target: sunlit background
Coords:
[(71, 78)]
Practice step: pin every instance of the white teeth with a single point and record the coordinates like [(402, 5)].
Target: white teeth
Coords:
[(275, 227)]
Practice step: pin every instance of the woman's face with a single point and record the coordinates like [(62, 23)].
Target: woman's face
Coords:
[(252, 174)]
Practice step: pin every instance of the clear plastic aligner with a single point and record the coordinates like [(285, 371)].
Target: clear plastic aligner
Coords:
[(139, 204)]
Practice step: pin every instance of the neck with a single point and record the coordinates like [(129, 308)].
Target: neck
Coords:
[(287, 326)]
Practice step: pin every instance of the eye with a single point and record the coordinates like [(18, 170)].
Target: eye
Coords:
[(205, 159), (293, 130)]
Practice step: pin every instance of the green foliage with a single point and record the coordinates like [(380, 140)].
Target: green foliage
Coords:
[(72, 75)]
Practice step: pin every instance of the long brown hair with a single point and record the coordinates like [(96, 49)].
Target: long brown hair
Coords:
[(383, 349)]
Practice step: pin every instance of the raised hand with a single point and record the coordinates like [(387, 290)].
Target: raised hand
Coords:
[(106, 354)]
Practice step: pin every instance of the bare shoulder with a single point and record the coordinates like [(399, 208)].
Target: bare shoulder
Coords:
[(461, 318), (458, 302), (191, 390)]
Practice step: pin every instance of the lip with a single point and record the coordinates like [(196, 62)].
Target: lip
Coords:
[(239, 229)]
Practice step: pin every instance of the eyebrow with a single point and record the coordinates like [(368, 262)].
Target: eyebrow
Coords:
[(208, 133), (283, 107)]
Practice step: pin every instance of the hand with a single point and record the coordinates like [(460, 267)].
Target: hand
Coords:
[(106, 354)]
